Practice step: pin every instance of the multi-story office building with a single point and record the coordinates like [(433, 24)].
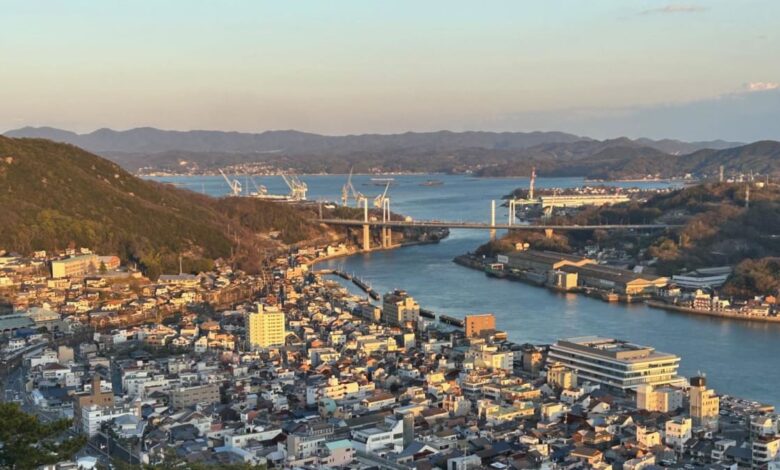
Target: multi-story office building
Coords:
[(705, 405), (184, 397), (399, 309), (265, 328), (616, 363)]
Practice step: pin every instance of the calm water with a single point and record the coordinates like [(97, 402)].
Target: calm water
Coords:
[(739, 358)]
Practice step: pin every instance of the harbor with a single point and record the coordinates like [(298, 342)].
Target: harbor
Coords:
[(528, 313)]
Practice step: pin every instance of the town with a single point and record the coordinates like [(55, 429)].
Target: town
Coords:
[(288, 369)]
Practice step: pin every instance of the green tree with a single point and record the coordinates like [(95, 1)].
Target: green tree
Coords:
[(25, 442)]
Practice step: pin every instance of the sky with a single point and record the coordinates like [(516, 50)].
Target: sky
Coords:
[(692, 70)]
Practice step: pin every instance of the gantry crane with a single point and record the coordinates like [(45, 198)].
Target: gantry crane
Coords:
[(234, 185), (297, 187)]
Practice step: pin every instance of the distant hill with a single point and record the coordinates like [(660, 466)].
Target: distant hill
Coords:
[(55, 195), (483, 153), (150, 140)]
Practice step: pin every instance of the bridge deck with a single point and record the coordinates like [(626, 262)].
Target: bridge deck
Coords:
[(487, 226)]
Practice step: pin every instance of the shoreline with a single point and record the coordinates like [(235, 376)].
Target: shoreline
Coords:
[(471, 263), (352, 250), (710, 313)]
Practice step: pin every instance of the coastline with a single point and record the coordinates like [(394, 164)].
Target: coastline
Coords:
[(710, 313), (471, 263), (352, 250)]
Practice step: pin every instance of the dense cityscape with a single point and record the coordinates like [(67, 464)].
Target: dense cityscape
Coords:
[(390, 235)]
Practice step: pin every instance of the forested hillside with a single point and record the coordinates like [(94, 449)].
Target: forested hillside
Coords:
[(56, 195)]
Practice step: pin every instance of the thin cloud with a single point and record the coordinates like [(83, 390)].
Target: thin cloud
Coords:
[(761, 86), (674, 8)]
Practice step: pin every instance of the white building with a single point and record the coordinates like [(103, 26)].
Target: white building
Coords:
[(678, 432), (93, 416), (387, 437), (616, 363)]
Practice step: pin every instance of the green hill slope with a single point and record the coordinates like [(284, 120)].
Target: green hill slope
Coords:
[(56, 195)]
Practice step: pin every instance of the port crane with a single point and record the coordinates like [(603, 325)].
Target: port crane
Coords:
[(297, 187), (234, 185), (349, 190), (261, 190)]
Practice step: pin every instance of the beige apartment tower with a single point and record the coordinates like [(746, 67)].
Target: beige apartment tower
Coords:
[(705, 405), (265, 328), (399, 309)]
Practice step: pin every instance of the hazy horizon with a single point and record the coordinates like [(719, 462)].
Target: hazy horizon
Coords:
[(698, 70)]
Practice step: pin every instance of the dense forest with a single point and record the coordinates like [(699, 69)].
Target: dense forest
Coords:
[(54, 196)]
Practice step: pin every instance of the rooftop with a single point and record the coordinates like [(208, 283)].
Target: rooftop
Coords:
[(614, 349)]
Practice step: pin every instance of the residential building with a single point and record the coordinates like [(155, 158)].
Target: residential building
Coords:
[(380, 439), (399, 309), (704, 404), (476, 325), (664, 398), (678, 431), (560, 376), (265, 327)]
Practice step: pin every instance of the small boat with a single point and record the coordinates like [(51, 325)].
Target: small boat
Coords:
[(381, 181), (432, 183)]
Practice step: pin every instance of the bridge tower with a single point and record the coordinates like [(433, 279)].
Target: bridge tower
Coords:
[(366, 227), (493, 219), (512, 210), (386, 232)]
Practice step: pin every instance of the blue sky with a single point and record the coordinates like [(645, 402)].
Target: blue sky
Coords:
[(601, 68)]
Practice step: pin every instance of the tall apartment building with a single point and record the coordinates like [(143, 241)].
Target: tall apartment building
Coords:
[(265, 328), (399, 309), (705, 405), (477, 324), (616, 363)]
